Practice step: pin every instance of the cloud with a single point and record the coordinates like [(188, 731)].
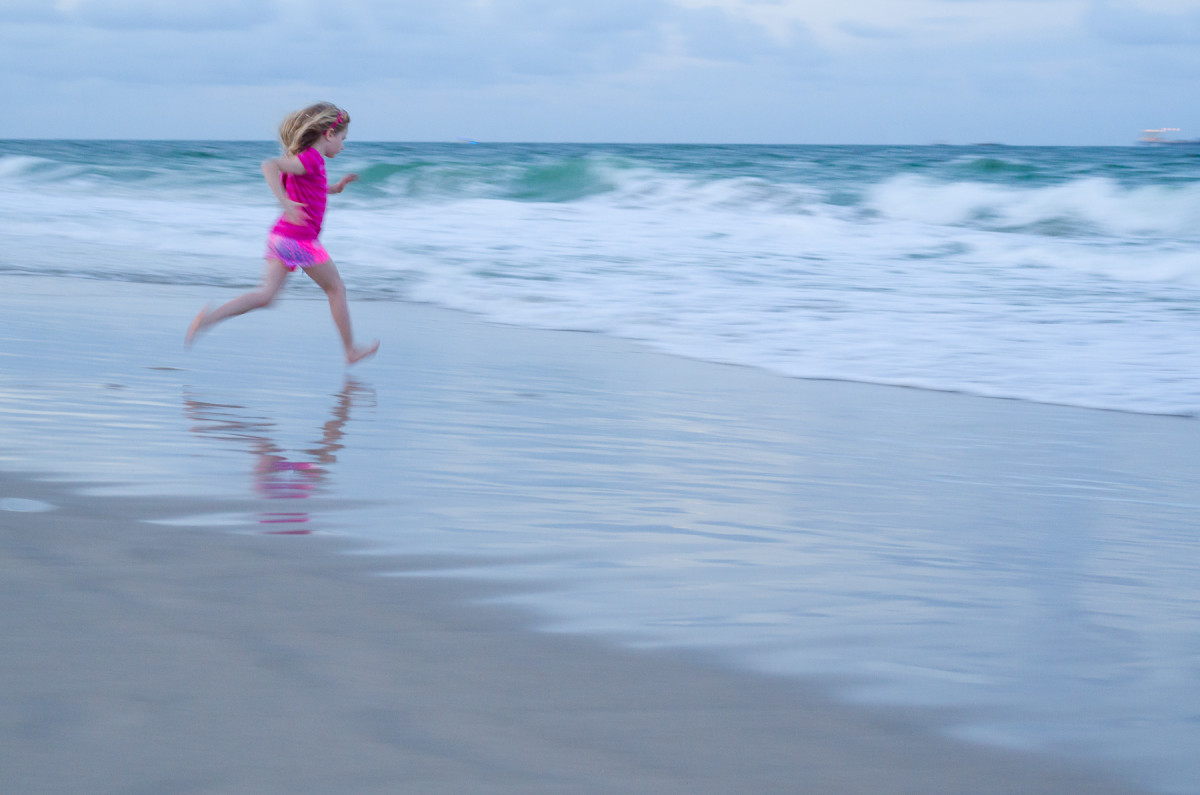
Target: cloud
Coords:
[(161, 15), (28, 11), (1132, 23), (451, 42), (549, 37), (715, 34), (851, 70), (864, 30), (166, 57)]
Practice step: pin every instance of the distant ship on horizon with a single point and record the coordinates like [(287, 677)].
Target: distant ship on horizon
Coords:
[(1162, 137)]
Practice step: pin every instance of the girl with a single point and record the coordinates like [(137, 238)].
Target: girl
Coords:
[(297, 179)]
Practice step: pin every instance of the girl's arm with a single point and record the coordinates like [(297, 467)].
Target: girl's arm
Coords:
[(342, 183), (273, 170)]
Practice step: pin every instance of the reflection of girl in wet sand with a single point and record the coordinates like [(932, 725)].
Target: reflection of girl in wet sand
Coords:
[(276, 476)]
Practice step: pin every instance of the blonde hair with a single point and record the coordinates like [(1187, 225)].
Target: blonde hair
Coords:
[(302, 129)]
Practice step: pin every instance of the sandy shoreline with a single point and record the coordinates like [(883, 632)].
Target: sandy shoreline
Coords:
[(140, 658)]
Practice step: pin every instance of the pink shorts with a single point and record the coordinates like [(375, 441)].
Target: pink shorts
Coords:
[(295, 253)]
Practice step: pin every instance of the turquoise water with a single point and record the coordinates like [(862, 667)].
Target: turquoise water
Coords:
[(1062, 275)]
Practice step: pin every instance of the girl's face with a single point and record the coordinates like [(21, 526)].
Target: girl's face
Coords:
[(333, 142)]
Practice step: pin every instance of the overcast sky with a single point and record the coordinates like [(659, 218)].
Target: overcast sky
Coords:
[(748, 71)]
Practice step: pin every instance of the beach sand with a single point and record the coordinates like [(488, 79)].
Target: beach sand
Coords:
[(143, 659), (149, 658)]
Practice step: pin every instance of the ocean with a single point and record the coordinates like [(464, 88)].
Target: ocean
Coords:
[(1035, 589), (1059, 275)]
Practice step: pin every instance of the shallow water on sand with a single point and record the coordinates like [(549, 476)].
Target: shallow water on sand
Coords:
[(1032, 570)]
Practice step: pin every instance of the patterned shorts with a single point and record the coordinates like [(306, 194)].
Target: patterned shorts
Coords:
[(295, 253)]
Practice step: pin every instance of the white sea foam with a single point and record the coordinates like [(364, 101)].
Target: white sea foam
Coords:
[(12, 166), (1093, 206), (818, 294)]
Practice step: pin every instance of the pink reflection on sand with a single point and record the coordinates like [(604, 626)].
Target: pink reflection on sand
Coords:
[(278, 474)]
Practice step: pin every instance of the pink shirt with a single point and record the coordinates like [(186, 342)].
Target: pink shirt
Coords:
[(310, 189)]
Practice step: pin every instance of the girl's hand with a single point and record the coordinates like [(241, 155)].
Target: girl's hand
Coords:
[(295, 212), (343, 182)]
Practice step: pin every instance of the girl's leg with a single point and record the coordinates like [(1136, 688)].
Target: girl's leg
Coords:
[(326, 275), (274, 276)]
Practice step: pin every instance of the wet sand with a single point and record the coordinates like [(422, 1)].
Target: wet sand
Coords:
[(143, 658), (146, 659)]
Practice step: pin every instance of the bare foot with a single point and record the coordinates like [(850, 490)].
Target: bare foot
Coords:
[(360, 352), (197, 325)]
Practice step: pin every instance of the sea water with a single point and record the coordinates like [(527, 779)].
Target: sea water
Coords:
[(1061, 275), (1040, 590)]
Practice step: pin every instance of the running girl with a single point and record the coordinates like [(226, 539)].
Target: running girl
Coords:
[(297, 179)]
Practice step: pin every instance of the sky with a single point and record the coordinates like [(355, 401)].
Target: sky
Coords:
[(1022, 72)]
